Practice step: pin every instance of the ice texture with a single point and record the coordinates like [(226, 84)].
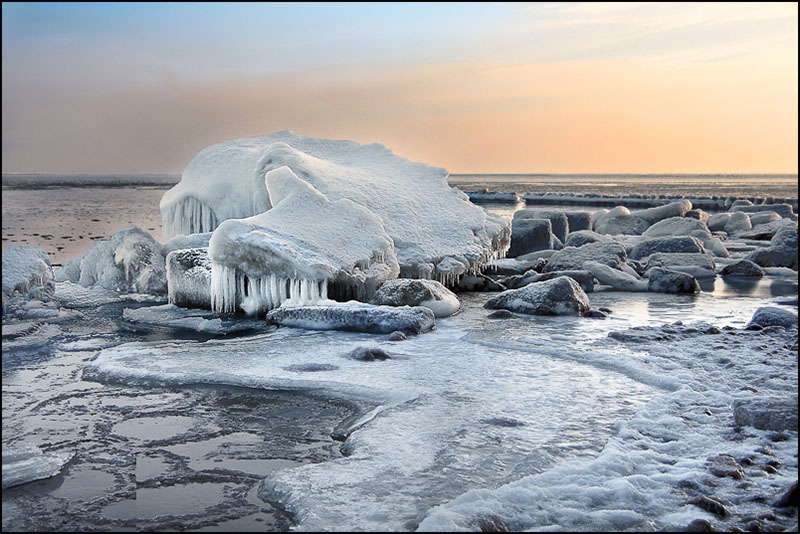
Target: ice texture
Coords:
[(437, 232), (676, 226), (169, 315), (408, 292), (355, 317), (559, 296), (572, 258), (773, 316), (131, 261), (25, 268), (189, 278), (294, 251), (25, 463), (614, 277)]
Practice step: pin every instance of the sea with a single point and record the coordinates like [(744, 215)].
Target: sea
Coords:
[(176, 420)]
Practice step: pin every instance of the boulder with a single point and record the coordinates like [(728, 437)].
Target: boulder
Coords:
[(356, 317), (559, 296), (572, 258), (773, 316), (767, 413), (739, 222), (428, 293), (511, 266), (669, 281), (629, 225), (614, 277), (676, 226), (718, 221), (529, 235), (659, 213), (782, 251), (558, 220), (740, 203), (581, 237), (189, 278), (578, 220), (784, 210), (766, 231), (698, 214), (716, 247), (666, 244), (764, 217), (743, 268), (596, 216), (697, 265), (479, 282), (584, 279)]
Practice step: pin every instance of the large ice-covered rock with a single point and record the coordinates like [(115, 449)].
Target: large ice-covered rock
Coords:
[(739, 222), (583, 277), (437, 232), (697, 265), (530, 235), (26, 270), (189, 278), (558, 220), (25, 463), (615, 278), (665, 244), (784, 210), (718, 221), (578, 220), (676, 226), (773, 316), (409, 292), (560, 296), (623, 225), (131, 261), (669, 281), (572, 258), (659, 213), (581, 237), (355, 316), (302, 248), (782, 251)]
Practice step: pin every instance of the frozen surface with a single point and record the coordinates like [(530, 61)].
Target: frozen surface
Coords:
[(356, 317), (437, 232), (26, 462), (173, 316), (25, 268)]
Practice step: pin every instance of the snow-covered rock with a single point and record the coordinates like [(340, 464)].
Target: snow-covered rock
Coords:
[(584, 279), (131, 261), (529, 235), (782, 251), (301, 250), (409, 292), (676, 226), (578, 220), (189, 278), (572, 258), (626, 225), (767, 413), (773, 316), (718, 221), (24, 269), (739, 222), (669, 281), (581, 237), (659, 213), (743, 268), (764, 217), (560, 296), (615, 278), (558, 220), (716, 247), (355, 316), (25, 463), (437, 232), (698, 214), (665, 244), (697, 265), (784, 210), (767, 231)]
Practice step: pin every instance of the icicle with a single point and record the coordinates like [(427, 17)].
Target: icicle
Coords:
[(324, 290)]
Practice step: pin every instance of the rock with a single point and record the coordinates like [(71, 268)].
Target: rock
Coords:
[(189, 278), (408, 292), (772, 316), (739, 222), (659, 213), (558, 220), (397, 335), (784, 210), (699, 525), (698, 214), (584, 279), (666, 244), (595, 314), (789, 498), (572, 258), (767, 413), (715, 246), (501, 314), (582, 237), (355, 317), (479, 282), (764, 217), (669, 281), (614, 277), (752, 526), (766, 231), (490, 523), (676, 226), (578, 220), (629, 225), (529, 235), (560, 296), (710, 505), (597, 215), (725, 465), (743, 268), (697, 265), (718, 221), (740, 202), (369, 354), (520, 265)]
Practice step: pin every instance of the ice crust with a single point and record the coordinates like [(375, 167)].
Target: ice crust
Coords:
[(437, 232), (25, 268), (355, 317), (25, 463)]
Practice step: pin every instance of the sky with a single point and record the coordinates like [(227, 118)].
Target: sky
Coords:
[(471, 87)]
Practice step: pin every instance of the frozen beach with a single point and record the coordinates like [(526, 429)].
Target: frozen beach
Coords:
[(525, 423)]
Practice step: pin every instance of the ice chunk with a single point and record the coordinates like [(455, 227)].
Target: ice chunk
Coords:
[(529, 235), (189, 278), (558, 220), (427, 219), (131, 261), (181, 242), (356, 317), (25, 268), (560, 296), (428, 293), (191, 319), (25, 463), (303, 248)]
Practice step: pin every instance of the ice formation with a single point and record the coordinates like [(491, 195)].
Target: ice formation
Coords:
[(25, 268), (25, 463), (428, 293), (298, 251), (356, 317), (437, 232)]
